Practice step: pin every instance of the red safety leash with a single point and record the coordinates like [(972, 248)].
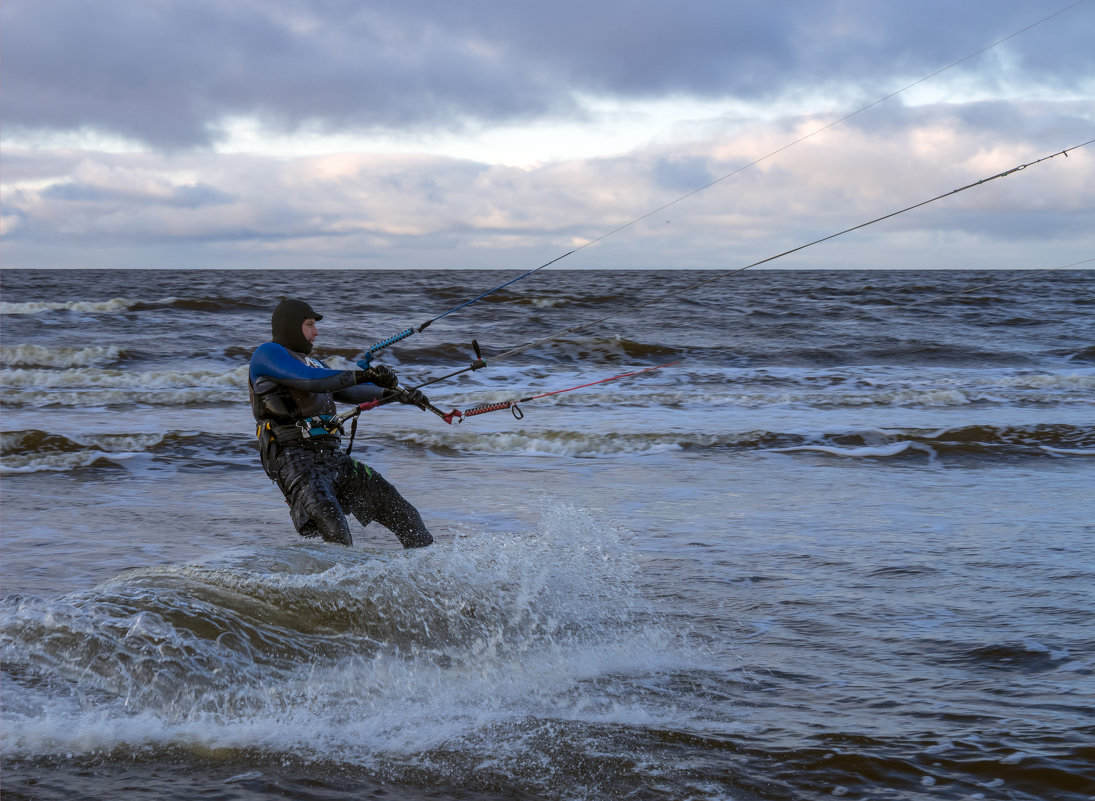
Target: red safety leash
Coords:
[(496, 407)]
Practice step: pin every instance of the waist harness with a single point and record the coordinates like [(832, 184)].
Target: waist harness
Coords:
[(319, 427), (316, 433)]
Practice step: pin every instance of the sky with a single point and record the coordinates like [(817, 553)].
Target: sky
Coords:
[(343, 134)]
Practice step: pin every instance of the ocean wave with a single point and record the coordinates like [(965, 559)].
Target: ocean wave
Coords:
[(528, 296), (1069, 451), (1003, 441), (112, 306), (718, 388), (167, 397), (34, 451), (674, 387), (557, 443), (120, 304), (315, 650), (963, 441), (1027, 656), (597, 350), (63, 357), (1084, 355), (89, 386), (1008, 390), (158, 379), (64, 461)]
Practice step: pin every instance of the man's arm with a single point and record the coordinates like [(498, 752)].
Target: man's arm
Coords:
[(273, 363), (359, 393)]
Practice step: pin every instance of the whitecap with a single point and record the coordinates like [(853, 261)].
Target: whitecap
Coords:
[(37, 356), (36, 307), (891, 449), (20, 378), (1068, 451)]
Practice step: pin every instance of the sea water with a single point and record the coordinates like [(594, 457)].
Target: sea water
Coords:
[(841, 543)]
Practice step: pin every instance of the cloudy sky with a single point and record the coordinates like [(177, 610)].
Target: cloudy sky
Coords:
[(501, 133)]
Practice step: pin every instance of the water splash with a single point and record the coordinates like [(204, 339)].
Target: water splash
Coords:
[(389, 659)]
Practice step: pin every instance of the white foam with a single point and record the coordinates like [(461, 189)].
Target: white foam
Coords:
[(1037, 647), (560, 443), (168, 396), (38, 356), (82, 378), (533, 619), (111, 306), (59, 462), (891, 449), (81, 452), (1068, 451)]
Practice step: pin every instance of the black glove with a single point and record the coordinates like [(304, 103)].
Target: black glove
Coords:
[(381, 376), (415, 396)]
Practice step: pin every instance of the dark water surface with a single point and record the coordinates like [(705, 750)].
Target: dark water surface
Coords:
[(843, 547)]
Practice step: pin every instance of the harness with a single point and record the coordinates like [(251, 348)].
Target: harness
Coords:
[(320, 427)]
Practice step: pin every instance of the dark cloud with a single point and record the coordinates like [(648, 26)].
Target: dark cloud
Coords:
[(682, 174), (189, 197), (1039, 123), (167, 72)]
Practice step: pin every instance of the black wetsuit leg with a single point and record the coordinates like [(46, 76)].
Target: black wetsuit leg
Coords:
[(308, 476), (369, 496)]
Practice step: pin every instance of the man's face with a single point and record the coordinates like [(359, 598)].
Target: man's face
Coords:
[(310, 330)]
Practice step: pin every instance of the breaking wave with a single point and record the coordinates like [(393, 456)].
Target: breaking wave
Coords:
[(91, 386), (30, 451), (39, 356), (120, 304), (999, 441), (33, 451), (962, 441), (112, 306), (19, 378), (80, 380), (450, 660)]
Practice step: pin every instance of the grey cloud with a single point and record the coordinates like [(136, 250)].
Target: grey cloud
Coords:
[(167, 72), (682, 174), (368, 210), (189, 196), (1041, 125)]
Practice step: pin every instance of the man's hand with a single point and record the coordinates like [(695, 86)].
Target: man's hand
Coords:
[(415, 396), (381, 376)]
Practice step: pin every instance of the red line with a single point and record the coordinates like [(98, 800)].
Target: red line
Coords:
[(602, 381)]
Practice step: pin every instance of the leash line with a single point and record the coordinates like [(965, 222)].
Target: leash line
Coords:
[(512, 405)]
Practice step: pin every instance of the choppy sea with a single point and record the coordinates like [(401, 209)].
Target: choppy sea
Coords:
[(842, 545)]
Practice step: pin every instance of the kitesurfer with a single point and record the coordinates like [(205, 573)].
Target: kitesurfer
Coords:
[(293, 399)]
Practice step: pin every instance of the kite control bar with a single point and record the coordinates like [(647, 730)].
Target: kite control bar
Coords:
[(425, 405), (396, 391)]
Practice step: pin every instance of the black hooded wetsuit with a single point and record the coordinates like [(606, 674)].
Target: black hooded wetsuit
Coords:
[(321, 483)]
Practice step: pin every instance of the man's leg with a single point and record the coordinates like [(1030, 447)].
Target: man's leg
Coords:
[(306, 479), (369, 496)]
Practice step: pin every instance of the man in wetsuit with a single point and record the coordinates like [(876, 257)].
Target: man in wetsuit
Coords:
[(292, 397)]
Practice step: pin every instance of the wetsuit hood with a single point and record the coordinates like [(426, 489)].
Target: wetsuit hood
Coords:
[(286, 323)]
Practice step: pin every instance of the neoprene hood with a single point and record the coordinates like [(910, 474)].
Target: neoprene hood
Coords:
[(286, 323)]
